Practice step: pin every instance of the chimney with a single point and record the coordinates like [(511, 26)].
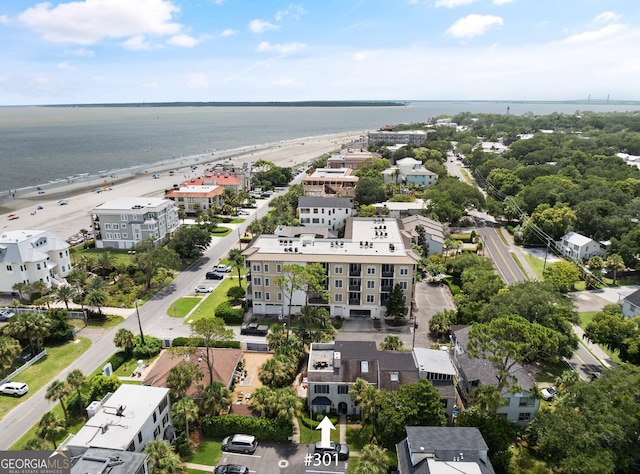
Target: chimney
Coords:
[(336, 360)]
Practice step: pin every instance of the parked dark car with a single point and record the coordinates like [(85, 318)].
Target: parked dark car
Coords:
[(214, 276), (231, 469)]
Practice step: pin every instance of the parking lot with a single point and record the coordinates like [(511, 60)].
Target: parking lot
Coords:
[(282, 458)]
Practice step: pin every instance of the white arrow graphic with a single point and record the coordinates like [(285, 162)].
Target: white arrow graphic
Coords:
[(325, 437)]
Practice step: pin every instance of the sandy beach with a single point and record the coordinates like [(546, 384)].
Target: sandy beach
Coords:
[(66, 220)]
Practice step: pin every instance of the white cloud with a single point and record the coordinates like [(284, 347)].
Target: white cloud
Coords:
[(82, 52), (595, 35), (260, 26), (453, 3), (4, 20), (473, 25), (150, 85), (229, 32), (65, 66), (502, 2), (89, 21), (285, 48), (606, 17), (137, 43), (196, 81), (183, 40), (294, 11), (361, 56)]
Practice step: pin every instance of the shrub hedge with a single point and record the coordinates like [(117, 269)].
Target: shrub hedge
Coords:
[(265, 429), (230, 315), (184, 341), (151, 348)]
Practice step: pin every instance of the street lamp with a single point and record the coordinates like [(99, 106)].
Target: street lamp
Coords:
[(139, 324)]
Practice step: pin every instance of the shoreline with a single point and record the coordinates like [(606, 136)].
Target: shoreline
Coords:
[(83, 196), (85, 182)]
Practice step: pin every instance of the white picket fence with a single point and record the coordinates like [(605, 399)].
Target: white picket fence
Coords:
[(21, 369)]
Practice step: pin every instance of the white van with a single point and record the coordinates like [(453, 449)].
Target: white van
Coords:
[(17, 389)]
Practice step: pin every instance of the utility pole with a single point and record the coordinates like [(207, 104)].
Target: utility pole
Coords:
[(139, 324), (544, 266)]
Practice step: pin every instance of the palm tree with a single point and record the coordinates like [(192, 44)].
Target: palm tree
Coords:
[(125, 340), (78, 277), (277, 372), (181, 377), (185, 411), (21, 288), (364, 395), (9, 349), (76, 380), (215, 399), (105, 262), (32, 326), (164, 459), (96, 298), (391, 343), (615, 263), (97, 283), (566, 380), (373, 460), (64, 294), (49, 428), (58, 391), (84, 233), (39, 287), (237, 261)]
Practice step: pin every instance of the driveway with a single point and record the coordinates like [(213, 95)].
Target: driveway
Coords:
[(271, 457), (430, 299)]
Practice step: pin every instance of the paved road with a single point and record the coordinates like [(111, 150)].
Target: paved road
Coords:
[(588, 358), (154, 320)]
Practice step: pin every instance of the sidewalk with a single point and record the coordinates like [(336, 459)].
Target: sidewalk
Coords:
[(199, 467), (595, 349)]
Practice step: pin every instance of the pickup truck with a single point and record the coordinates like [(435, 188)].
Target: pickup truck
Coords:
[(222, 268), (254, 329)]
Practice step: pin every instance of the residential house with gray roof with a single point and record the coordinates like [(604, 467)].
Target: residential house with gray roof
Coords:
[(631, 305), (443, 450), (520, 407)]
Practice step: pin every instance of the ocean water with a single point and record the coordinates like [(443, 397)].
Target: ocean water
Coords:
[(41, 146)]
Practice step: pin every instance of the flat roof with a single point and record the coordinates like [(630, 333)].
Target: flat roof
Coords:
[(127, 203), (431, 360), (108, 429), (379, 239)]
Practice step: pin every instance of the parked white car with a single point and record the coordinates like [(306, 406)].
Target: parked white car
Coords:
[(17, 389), (548, 393), (204, 289)]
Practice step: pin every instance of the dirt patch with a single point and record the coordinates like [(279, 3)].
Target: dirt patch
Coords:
[(250, 382)]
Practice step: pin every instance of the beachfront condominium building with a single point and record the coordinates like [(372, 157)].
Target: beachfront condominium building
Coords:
[(196, 198), (405, 136), (331, 182), (27, 256), (122, 223), (352, 158), (126, 420), (361, 269)]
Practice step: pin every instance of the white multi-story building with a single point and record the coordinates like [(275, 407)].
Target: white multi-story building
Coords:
[(127, 420), (405, 136), (361, 270), (577, 246), (328, 212), (122, 223), (27, 256)]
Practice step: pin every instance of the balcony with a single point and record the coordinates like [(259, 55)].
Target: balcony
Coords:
[(317, 300), (387, 273), (386, 289), (355, 287), (354, 301), (355, 272)]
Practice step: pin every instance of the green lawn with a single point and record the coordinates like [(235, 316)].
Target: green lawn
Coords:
[(75, 424), (212, 300), (535, 263), (358, 437), (586, 318), (208, 453), (118, 255), (180, 308), (309, 436), (45, 370), (111, 321)]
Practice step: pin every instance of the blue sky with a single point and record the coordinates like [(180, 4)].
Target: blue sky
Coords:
[(88, 51)]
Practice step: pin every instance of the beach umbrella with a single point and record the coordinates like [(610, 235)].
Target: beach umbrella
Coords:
[(40, 208)]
